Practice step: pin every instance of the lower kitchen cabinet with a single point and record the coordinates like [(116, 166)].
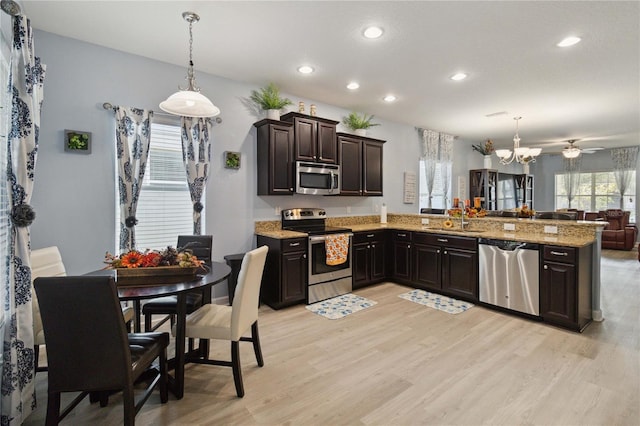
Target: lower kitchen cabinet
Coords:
[(284, 281), (565, 286), (369, 257), (400, 266), (446, 263)]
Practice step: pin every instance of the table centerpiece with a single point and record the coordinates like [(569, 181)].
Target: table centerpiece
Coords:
[(155, 263)]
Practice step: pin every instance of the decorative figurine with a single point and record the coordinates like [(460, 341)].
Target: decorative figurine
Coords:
[(301, 107), (313, 110)]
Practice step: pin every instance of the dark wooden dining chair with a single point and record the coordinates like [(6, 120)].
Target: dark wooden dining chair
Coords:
[(230, 323), (200, 246), (88, 348)]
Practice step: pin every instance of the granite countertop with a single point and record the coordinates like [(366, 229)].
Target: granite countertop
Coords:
[(569, 233)]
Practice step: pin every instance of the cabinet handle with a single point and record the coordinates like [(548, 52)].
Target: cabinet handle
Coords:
[(443, 240), (291, 189), (402, 235), (294, 244), (373, 245), (546, 267), (437, 251), (408, 245), (304, 256), (370, 235), (369, 247), (445, 252), (557, 253)]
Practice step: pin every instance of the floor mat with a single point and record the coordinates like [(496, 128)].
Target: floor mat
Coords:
[(340, 306), (436, 301)]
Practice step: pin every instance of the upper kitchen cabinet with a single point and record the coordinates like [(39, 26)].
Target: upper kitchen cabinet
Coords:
[(361, 165), (314, 138), (275, 157)]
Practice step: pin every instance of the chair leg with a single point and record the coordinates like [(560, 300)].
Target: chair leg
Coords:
[(255, 338), (129, 405), (147, 322), (237, 370), (53, 408), (164, 392), (36, 355)]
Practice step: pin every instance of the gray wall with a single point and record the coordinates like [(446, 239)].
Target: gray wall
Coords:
[(74, 195)]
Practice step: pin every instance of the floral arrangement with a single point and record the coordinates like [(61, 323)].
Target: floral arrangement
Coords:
[(153, 258), (468, 212), (484, 149)]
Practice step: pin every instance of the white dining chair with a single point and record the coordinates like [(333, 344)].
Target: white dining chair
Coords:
[(224, 322)]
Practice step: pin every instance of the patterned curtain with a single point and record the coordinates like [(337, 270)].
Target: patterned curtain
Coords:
[(430, 140), (26, 91), (446, 164), (196, 154), (133, 129), (572, 177), (624, 163)]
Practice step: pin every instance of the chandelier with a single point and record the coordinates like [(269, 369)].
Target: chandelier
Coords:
[(521, 155), (190, 102)]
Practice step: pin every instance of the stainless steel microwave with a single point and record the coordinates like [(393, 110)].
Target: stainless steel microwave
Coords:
[(317, 178)]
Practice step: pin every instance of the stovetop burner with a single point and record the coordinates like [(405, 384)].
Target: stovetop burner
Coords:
[(309, 220)]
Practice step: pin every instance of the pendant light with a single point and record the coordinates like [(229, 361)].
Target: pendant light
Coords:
[(520, 154), (190, 102)]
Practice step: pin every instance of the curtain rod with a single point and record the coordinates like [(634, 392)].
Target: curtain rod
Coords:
[(109, 106)]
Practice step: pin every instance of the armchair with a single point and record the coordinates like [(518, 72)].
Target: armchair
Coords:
[(619, 234)]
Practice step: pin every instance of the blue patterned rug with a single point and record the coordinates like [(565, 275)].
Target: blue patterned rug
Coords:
[(340, 306), (436, 301)]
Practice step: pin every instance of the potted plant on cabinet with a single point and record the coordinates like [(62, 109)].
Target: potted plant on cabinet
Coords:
[(268, 98), (358, 123), (486, 150)]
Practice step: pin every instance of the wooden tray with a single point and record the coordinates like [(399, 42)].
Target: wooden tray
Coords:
[(148, 276)]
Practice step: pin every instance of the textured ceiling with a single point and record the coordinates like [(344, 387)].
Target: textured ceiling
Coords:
[(589, 92)]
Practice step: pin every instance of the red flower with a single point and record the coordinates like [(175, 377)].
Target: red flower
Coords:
[(133, 259), (151, 259)]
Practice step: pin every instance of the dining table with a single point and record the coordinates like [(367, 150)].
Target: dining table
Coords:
[(138, 289)]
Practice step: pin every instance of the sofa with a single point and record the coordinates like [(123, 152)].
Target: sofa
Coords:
[(619, 234)]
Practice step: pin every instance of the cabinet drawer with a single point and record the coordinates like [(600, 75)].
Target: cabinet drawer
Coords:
[(294, 244), (560, 254), (445, 240), (401, 235), (363, 237)]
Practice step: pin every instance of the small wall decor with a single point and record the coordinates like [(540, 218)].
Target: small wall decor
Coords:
[(231, 160), (77, 141)]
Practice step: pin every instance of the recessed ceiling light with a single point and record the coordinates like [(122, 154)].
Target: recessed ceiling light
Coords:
[(353, 85), (305, 69), (569, 41), (389, 98), (459, 76), (373, 32)]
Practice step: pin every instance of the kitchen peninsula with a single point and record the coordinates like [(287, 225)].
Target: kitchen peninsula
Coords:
[(417, 250)]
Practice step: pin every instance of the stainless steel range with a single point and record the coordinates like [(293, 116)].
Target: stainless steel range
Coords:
[(325, 279)]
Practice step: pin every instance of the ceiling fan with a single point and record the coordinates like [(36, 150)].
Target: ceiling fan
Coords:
[(573, 151)]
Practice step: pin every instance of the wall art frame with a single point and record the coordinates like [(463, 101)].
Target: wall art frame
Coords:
[(77, 141), (232, 160)]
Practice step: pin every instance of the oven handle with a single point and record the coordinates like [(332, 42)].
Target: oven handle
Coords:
[(315, 239)]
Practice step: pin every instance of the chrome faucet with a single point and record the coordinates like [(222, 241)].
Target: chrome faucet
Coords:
[(462, 222)]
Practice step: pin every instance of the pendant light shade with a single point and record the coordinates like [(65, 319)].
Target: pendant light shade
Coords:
[(190, 102)]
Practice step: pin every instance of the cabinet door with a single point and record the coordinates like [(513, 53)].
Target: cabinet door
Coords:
[(280, 161), (360, 265), (327, 150), (378, 261), (294, 276), (460, 272), (305, 139), (427, 266), (401, 260), (372, 168), (350, 154), (558, 293)]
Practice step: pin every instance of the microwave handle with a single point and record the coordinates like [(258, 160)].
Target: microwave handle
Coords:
[(332, 179)]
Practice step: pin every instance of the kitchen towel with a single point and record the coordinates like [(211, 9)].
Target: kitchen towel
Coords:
[(337, 248)]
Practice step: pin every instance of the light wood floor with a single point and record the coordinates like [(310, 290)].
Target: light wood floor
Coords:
[(400, 363)]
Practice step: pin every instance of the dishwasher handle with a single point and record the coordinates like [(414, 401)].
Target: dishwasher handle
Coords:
[(508, 245)]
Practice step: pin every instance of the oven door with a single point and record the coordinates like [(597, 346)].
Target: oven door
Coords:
[(319, 271)]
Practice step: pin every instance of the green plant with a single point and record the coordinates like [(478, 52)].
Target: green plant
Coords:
[(78, 141), (269, 98), (485, 149), (232, 160), (356, 121)]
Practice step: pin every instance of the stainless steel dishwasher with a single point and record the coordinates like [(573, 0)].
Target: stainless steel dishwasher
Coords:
[(509, 275)]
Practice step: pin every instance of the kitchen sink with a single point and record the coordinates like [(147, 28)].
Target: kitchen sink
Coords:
[(458, 231)]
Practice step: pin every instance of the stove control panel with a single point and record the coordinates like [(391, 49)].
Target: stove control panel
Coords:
[(304, 213)]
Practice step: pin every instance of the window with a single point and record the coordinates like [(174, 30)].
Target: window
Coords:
[(597, 191), (437, 195), (164, 207)]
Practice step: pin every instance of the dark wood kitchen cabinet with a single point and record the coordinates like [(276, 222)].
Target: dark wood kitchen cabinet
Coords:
[(361, 162), (400, 246), (284, 281), (369, 258), (275, 157), (446, 263), (565, 286), (314, 138)]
